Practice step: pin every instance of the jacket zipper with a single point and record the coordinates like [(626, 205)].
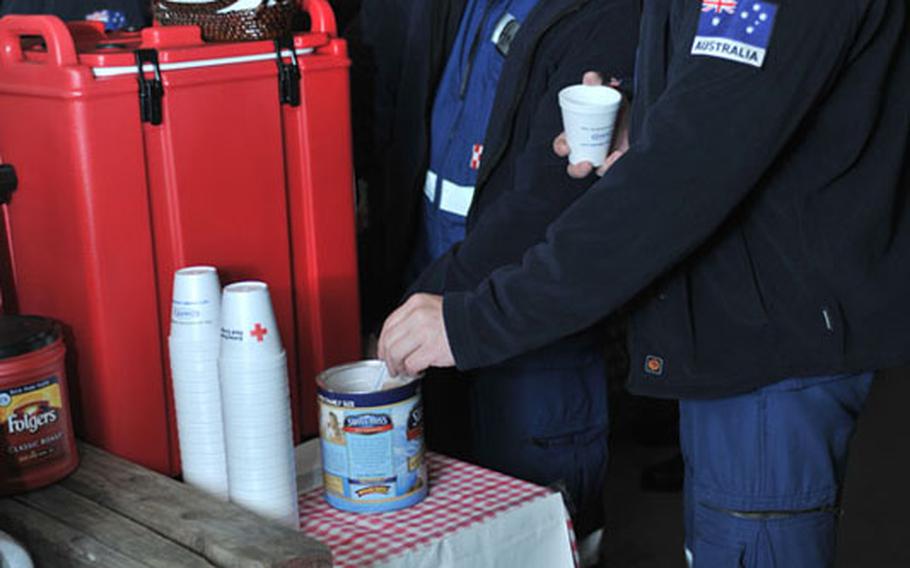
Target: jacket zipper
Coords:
[(472, 52)]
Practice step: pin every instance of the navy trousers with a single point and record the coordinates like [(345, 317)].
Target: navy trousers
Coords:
[(544, 419), (764, 472)]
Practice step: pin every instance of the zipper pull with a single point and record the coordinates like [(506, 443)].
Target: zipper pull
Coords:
[(829, 325)]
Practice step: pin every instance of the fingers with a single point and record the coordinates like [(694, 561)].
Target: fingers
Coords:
[(404, 332), (417, 362), (414, 337), (592, 78), (395, 346), (580, 170), (434, 351), (391, 322), (398, 353), (561, 145), (611, 159)]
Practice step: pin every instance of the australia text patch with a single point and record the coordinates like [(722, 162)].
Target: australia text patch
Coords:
[(735, 30)]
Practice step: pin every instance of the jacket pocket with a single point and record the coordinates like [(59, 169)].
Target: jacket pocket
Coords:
[(729, 274)]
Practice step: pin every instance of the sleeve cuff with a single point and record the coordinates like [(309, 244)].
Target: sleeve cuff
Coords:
[(433, 279), (458, 330)]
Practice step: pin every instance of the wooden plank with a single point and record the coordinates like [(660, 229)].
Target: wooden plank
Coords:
[(111, 529), (222, 532), (56, 545)]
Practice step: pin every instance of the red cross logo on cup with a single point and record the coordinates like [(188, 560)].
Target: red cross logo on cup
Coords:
[(259, 332)]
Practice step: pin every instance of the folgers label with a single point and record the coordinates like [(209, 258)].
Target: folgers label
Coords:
[(37, 446), (372, 442), (31, 426)]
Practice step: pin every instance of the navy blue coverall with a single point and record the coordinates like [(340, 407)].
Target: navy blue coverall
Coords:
[(543, 416), (761, 222)]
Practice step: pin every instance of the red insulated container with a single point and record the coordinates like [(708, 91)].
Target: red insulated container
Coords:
[(140, 153), (37, 445)]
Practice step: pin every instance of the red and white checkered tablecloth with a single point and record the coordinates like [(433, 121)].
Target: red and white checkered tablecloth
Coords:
[(461, 495)]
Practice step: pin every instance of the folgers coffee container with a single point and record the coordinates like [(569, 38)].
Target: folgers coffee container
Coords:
[(372, 441), (37, 446)]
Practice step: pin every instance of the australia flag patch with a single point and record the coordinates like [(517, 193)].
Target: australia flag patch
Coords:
[(738, 31)]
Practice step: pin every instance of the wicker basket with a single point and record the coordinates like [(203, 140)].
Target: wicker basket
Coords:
[(262, 22)]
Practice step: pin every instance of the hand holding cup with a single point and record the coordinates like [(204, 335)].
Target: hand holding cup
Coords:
[(593, 116)]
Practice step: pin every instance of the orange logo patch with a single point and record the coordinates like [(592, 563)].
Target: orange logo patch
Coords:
[(654, 365)]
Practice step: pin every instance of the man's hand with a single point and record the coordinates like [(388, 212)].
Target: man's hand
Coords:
[(620, 138), (414, 337)]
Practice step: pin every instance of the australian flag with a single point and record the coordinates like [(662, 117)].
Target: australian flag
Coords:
[(736, 30)]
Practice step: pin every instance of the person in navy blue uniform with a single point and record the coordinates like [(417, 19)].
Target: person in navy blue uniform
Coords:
[(760, 225), (479, 185)]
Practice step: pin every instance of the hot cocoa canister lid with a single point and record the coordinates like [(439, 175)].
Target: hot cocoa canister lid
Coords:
[(23, 334)]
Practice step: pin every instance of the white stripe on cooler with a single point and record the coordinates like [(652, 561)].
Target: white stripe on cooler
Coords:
[(148, 67), (456, 198)]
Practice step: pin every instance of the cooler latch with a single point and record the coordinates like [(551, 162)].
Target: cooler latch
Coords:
[(288, 73), (8, 182), (150, 90)]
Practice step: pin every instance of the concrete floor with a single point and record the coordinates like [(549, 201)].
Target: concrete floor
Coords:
[(645, 529)]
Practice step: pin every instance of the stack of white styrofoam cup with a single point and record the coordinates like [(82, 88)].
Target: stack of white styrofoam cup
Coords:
[(256, 405), (194, 344)]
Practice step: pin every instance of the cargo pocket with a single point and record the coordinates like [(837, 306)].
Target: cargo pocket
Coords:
[(706, 554), (577, 463), (578, 438)]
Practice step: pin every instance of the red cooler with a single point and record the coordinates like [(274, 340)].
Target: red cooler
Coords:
[(226, 154)]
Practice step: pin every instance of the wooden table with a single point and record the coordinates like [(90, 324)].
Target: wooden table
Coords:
[(111, 512)]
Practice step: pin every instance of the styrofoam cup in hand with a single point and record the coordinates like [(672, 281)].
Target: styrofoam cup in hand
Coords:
[(196, 305), (248, 327), (588, 116)]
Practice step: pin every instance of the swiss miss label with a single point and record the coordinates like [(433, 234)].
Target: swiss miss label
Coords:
[(372, 456), (32, 426)]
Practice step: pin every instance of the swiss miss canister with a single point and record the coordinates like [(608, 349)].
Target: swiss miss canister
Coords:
[(37, 445), (372, 440)]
